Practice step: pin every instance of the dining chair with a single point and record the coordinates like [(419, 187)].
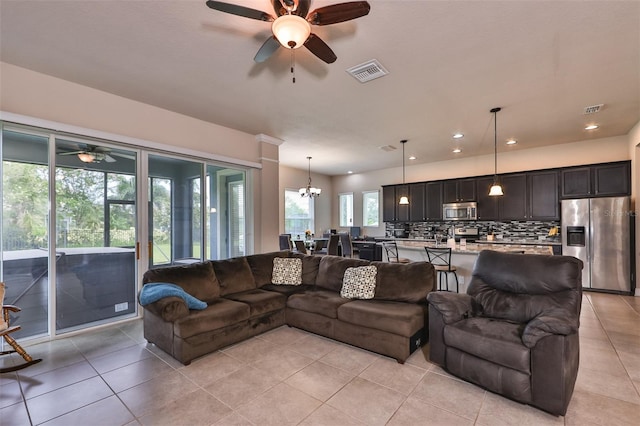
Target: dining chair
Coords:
[(345, 243), (332, 247), (285, 242), (300, 247), (320, 246)]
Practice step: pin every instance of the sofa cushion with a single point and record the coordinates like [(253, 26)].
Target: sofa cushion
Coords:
[(287, 271), (198, 279), (321, 302), (400, 318), (359, 282), (490, 339), (287, 290), (310, 266), (404, 282), (262, 266), (260, 301), (221, 313), (234, 275), (331, 271)]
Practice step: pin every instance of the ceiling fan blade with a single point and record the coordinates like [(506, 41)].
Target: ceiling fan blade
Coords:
[(268, 48), (109, 159), (320, 49), (127, 156), (70, 152), (240, 11), (340, 12)]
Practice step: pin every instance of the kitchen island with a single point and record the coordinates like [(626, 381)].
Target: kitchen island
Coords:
[(464, 257)]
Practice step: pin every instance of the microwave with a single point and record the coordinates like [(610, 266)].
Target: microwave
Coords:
[(460, 211)]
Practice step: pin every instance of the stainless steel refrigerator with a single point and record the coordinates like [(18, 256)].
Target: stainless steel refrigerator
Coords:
[(599, 231)]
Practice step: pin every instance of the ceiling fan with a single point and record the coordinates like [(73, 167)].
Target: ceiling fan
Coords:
[(291, 27), (96, 154)]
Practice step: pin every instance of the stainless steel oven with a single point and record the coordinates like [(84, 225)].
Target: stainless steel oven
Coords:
[(460, 211)]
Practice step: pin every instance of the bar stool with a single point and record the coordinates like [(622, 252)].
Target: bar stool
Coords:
[(440, 258), (392, 252)]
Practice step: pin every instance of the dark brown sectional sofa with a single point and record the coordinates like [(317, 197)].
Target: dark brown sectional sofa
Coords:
[(243, 302)]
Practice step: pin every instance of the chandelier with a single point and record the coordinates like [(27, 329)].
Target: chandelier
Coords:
[(309, 191)]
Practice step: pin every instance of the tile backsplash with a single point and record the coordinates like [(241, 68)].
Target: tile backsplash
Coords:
[(520, 230)]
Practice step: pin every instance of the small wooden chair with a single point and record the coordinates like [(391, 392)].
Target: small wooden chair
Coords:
[(6, 329)]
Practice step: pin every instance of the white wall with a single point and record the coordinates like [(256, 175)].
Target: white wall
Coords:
[(577, 153)]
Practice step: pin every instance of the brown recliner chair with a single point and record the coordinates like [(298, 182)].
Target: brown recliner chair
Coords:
[(515, 332)]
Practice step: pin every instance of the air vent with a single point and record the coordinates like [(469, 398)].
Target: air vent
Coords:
[(593, 109), (368, 71), (388, 148)]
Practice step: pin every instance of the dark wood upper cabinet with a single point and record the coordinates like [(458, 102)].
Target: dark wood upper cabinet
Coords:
[(611, 179), (544, 203), (598, 180), (402, 210), (433, 208), (459, 190), (576, 182), (487, 206), (417, 211), (513, 204), (389, 204)]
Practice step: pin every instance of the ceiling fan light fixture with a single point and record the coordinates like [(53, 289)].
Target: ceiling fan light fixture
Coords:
[(86, 157), (291, 31)]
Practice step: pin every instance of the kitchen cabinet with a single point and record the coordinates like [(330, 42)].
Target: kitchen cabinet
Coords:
[(612, 179), (544, 203), (433, 205), (417, 211), (598, 180), (391, 210), (459, 190), (487, 206), (513, 204)]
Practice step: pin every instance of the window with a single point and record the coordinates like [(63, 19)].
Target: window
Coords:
[(370, 208), (346, 209), (298, 213)]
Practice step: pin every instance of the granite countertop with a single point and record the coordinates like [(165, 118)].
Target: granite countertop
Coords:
[(475, 248), (521, 241)]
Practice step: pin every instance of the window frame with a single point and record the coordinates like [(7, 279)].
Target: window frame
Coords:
[(365, 210)]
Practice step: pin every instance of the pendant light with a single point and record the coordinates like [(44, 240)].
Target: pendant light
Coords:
[(404, 200), (496, 189), (309, 191)]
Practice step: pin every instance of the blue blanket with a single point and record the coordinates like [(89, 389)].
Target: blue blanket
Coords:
[(153, 292)]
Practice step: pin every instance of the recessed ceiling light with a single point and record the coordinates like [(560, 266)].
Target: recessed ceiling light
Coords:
[(591, 127), (350, 172), (413, 157), (512, 142), (458, 135), (457, 150)]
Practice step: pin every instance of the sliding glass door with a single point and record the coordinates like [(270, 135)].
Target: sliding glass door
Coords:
[(95, 188), (25, 221)]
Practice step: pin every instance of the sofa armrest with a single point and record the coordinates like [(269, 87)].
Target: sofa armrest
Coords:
[(452, 306), (170, 308), (553, 321)]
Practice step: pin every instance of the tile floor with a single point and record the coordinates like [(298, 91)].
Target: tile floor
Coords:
[(288, 376)]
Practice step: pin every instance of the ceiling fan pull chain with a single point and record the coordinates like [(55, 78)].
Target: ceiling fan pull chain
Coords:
[(293, 65)]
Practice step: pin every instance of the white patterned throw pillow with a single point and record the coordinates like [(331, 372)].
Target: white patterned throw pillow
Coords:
[(287, 271), (359, 282)]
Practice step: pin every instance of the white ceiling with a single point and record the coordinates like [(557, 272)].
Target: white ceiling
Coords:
[(449, 63)]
